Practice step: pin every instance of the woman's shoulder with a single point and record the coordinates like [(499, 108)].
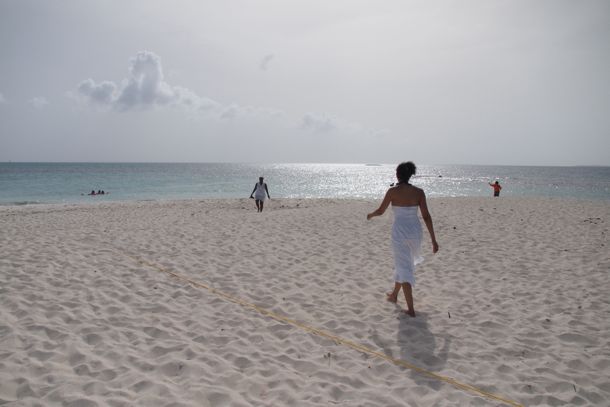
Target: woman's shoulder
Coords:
[(417, 189), (414, 192), (408, 187), (399, 191), (394, 189)]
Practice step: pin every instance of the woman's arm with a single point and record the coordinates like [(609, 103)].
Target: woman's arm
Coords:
[(425, 214), (384, 205), (252, 193), (267, 191)]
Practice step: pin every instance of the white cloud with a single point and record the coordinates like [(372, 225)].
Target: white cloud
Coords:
[(230, 112), (265, 61), (318, 123), (324, 123), (145, 88), (103, 93), (38, 102), (145, 85)]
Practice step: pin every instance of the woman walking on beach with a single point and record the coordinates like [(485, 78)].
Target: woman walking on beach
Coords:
[(259, 191), (406, 231)]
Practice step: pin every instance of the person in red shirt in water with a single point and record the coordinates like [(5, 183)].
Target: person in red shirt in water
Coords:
[(496, 186)]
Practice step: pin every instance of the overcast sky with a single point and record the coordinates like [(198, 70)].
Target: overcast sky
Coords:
[(438, 82)]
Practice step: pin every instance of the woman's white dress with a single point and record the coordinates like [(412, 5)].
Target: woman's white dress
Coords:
[(259, 193), (406, 242)]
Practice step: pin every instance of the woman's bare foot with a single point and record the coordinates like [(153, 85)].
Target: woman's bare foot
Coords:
[(391, 297), (410, 313)]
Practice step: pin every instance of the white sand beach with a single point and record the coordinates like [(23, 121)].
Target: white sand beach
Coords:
[(516, 304)]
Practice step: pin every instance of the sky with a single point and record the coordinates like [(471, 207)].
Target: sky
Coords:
[(516, 82)]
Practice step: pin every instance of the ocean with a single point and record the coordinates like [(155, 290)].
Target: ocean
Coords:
[(42, 183)]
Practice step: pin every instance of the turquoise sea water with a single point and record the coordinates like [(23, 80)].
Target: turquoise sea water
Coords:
[(33, 183)]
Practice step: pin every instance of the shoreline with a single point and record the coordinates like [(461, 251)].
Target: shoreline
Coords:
[(514, 303), (281, 199)]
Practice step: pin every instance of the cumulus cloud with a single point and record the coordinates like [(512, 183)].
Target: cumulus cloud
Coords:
[(38, 102), (143, 88), (318, 123), (265, 61), (230, 112), (145, 85), (103, 93), (324, 123)]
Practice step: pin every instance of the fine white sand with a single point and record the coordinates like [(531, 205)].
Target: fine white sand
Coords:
[(516, 303)]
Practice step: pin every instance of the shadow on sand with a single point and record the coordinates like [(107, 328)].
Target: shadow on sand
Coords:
[(419, 347)]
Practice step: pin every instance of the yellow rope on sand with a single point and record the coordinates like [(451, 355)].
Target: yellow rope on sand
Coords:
[(337, 339)]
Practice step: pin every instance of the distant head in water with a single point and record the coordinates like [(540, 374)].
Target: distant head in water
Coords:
[(405, 171)]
